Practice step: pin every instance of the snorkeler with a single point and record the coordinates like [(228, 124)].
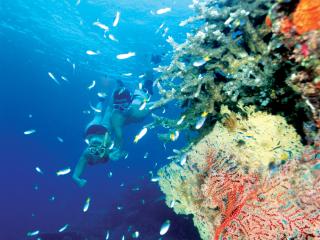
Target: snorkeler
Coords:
[(130, 108), (110, 120), (98, 137)]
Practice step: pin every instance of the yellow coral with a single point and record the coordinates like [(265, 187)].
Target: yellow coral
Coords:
[(258, 140)]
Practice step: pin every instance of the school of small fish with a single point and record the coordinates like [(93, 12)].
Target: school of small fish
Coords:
[(173, 135)]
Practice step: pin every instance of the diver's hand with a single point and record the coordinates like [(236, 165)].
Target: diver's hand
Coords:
[(117, 154), (80, 181)]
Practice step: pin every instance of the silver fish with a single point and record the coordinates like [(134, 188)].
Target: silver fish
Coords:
[(183, 159), (92, 53), (155, 179), (86, 205), (63, 172), (28, 132), (53, 78), (64, 78), (165, 227), (163, 10), (113, 38), (107, 235), (140, 135), (200, 122), (92, 85), (39, 170), (101, 25), (63, 228), (125, 55), (33, 233), (116, 19)]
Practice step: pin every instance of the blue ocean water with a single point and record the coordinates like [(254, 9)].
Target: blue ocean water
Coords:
[(41, 36)]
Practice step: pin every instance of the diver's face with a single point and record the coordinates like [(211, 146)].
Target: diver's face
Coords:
[(95, 141), (96, 147)]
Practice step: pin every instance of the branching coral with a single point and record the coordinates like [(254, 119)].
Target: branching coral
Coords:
[(231, 58)]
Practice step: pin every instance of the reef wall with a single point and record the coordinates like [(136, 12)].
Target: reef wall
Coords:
[(248, 82)]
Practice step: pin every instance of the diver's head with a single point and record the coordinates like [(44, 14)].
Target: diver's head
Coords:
[(122, 99), (96, 149), (148, 82)]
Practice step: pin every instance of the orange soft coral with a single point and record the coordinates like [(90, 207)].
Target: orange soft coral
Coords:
[(286, 25), (307, 16), (268, 21)]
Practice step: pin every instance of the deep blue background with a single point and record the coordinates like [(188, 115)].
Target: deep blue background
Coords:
[(36, 37)]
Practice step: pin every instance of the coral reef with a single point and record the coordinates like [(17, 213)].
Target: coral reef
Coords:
[(246, 175)]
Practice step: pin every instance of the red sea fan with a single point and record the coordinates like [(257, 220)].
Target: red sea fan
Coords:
[(277, 207)]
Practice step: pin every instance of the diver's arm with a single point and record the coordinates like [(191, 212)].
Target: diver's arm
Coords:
[(117, 120), (118, 136), (79, 170)]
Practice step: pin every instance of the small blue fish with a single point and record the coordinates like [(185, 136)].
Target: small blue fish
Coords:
[(236, 34)]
